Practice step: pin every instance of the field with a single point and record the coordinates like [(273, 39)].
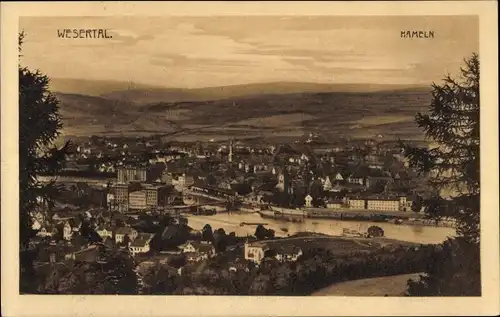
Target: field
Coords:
[(277, 111), (336, 245), (379, 286)]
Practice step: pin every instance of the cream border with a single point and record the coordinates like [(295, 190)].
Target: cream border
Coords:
[(16, 305)]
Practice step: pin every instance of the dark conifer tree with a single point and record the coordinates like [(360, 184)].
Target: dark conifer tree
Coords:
[(452, 165), (39, 127)]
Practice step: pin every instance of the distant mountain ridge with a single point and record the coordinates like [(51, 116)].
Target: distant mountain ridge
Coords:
[(389, 113), (141, 94)]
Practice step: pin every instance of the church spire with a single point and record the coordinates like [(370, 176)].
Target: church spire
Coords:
[(230, 157)]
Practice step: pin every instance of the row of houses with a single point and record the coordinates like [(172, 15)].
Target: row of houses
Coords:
[(138, 242), (56, 253), (196, 251), (257, 251)]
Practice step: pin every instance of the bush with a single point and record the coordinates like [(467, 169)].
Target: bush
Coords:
[(375, 231)]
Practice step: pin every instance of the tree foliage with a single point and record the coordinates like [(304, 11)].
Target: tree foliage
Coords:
[(220, 240), (115, 276), (375, 231), (262, 233), (89, 233), (207, 233), (159, 281), (39, 127), (452, 164)]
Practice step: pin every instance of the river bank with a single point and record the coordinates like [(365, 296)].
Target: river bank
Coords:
[(406, 218), (344, 216)]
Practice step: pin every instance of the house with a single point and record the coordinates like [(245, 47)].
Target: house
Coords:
[(192, 246), (334, 204), (338, 177), (327, 184), (288, 253), (355, 178), (121, 232), (104, 232), (47, 231), (255, 251), (197, 251), (308, 201), (196, 257), (67, 231), (141, 244), (356, 202), (36, 225)]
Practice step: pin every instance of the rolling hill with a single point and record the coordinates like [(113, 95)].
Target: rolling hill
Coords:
[(141, 94), (152, 95), (92, 87), (247, 111)]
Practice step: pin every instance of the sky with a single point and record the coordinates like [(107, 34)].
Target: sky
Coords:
[(194, 52)]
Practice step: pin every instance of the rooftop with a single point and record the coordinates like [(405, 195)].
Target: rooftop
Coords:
[(139, 242), (288, 249), (124, 230)]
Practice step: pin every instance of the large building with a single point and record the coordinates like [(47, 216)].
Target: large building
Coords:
[(150, 196), (384, 204), (119, 198), (380, 203), (132, 174), (356, 203), (137, 200)]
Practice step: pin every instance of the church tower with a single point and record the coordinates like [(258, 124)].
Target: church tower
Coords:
[(284, 182), (230, 157)]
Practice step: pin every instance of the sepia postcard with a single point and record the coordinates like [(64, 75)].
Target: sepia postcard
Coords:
[(250, 158)]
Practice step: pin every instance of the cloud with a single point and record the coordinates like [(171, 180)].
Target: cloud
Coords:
[(201, 51), (179, 60), (128, 38)]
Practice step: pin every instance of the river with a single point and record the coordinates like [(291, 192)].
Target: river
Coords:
[(231, 223)]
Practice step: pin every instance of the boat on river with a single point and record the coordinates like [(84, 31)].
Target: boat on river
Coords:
[(252, 224), (267, 213), (289, 211)]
